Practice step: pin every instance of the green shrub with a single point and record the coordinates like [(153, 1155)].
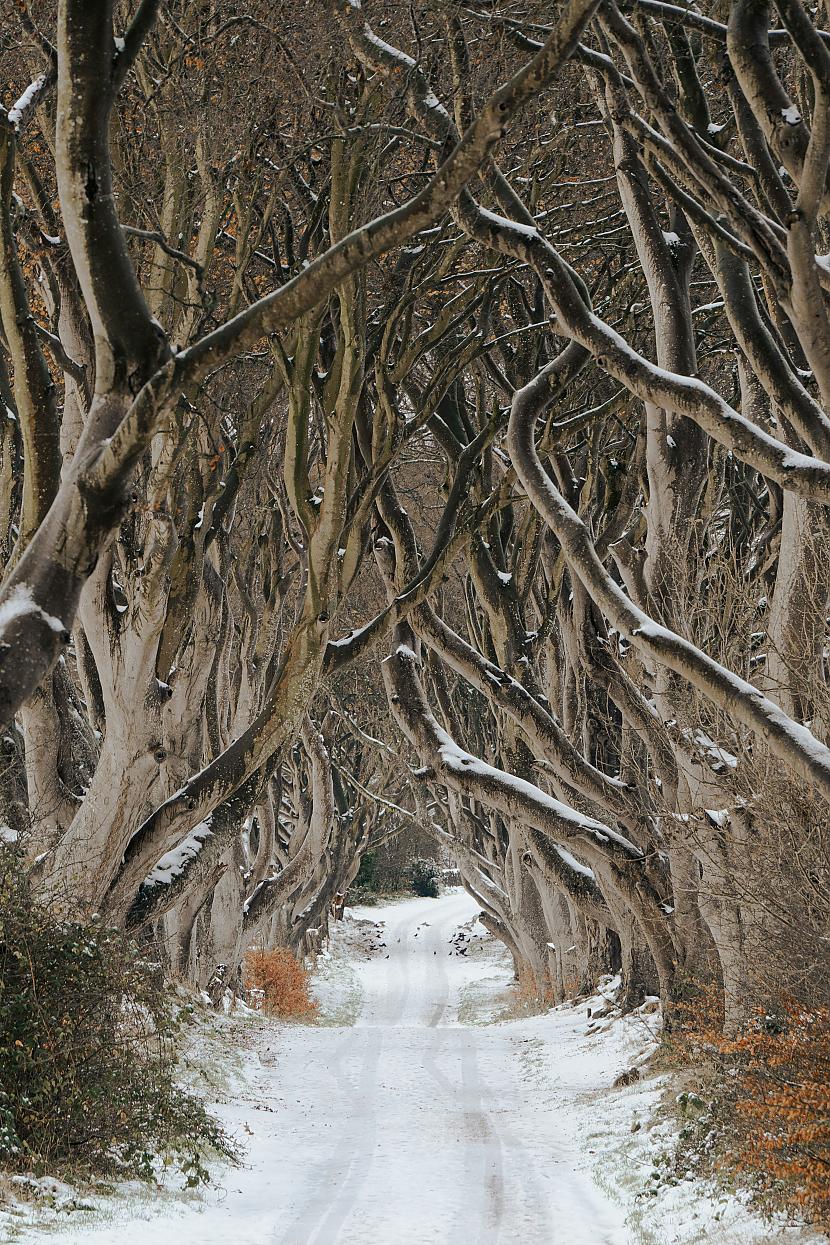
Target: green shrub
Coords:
[(424, 876), (367, 872), (88, 1039)]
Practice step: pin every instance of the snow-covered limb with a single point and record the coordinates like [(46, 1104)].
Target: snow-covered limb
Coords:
[(172, 863), (22, 109), (21, 604), (515, 796), (807, 476), (790, 741), (542, 729), (561, 870), (568, 822)]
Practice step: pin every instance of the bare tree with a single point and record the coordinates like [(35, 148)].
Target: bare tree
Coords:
[(187, 394)]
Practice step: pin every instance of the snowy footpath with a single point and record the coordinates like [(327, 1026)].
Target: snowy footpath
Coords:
[(411, 1114)]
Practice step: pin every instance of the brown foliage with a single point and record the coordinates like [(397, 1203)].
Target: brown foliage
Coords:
[(527, 996), (771, 1095), (278, 984), (697, 1022), (784, 1100)]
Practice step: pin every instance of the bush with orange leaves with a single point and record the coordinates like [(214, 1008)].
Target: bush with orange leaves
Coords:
[(278, 984), (526, 998), (766, 1112), (783, 1096)]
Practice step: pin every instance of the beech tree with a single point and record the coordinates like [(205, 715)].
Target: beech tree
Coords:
[(694, 742), (186, 400), (329, 363)]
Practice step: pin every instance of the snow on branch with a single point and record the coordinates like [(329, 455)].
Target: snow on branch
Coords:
[(21, 603), (792, 742), (514, 797), (23, 107)]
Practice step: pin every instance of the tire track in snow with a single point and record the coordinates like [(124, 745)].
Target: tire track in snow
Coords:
[(340, 1183), (341, 1177), (411, 990), (490, 1145), (483, 1147)]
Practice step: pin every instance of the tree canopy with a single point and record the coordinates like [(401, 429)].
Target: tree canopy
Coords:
[(418, 417)]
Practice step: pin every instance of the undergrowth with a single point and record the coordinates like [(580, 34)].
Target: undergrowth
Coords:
[(526, 998), (276, 983), (425, 878), (759, 1112), (88, 1051)]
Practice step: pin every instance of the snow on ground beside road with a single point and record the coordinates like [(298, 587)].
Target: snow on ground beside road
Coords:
[(411, 1113), (622, 1139)]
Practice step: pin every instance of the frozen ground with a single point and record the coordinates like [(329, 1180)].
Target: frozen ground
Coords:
[(411, 1114)]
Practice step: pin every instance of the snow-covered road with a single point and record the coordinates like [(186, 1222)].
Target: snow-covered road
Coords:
[(400, 1120), (437, 1136)]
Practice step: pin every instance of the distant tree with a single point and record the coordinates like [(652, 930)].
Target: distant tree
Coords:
[(424, 874)]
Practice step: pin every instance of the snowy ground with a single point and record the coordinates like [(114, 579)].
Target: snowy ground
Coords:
[(411, 1114)]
